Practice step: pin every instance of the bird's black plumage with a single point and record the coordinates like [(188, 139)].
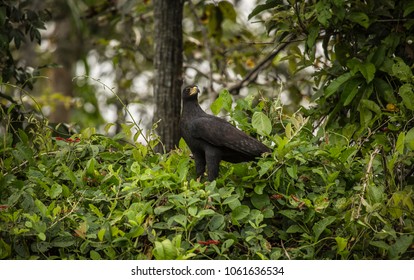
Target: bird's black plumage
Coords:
[(212, 139)]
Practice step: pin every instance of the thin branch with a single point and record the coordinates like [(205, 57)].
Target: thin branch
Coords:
[(27, 161), (202, 73), (368, 174), (136, 124), (303, 27), (284, 250), (206, 46), (74, 207), (252, 75)]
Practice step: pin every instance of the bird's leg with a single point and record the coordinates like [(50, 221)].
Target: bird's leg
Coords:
[(213, 162), (200, 164)]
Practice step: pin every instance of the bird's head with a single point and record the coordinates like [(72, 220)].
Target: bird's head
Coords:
[(190, 92)]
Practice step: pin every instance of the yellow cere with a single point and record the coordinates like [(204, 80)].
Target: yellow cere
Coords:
[(193, 90)]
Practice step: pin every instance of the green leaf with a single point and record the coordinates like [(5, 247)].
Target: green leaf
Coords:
[(217, 222), (224, 101), (385, 90), (353, 64), (240, 212), (227, 10), (261, 123), (288, 131), (90, 166), (161, 209), (94, 255), (294, 229), (399, 147), (227, 244), (267, 6), (365, 116), (96, 210), (260, 201), (205, 212), (192, 210), (55, 190), (181, 219), (231, 199), (42, 208), (101, 234), (375, 193), (371, 105), (182, 169), (23, 152), (368, 71), (360, 18), (408, 9), (341, 243), (378, 57), (63, 241), (312, 36), (23, 137), (400, 246), (69, 173), (323, 12), (396, 204), (407, 94), (216, 106), (41, 236), (335, 84), (135, 232), (110, 252), (401, 70), (164, 250), (291, 214), (265, 166), (321, 225), (380, 244), (350, 90), (259, 188), (292, 171), (409, 139)]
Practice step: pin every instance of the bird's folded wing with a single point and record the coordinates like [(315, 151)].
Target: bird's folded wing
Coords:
[(220, 133)]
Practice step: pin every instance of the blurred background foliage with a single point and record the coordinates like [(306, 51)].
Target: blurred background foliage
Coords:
[(63, 56)]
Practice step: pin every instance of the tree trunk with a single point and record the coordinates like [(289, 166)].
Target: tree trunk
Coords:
[(168, 62), (68, 50)]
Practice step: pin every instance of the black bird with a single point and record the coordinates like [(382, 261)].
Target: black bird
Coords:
[(212, 139)]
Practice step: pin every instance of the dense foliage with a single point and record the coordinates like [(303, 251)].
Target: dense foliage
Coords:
[(17, 24), (337, 185), (94, 197)]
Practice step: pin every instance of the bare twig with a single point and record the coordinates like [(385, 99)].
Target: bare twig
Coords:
[(136, 124), (206, 46), (252, 75), (284, 250), (366, 179), (302, 26), (26, 162), (202, 73), (74, 207)]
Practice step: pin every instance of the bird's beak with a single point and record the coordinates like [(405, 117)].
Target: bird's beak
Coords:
[(193, 90)]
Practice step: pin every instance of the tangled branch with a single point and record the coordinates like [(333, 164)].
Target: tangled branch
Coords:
[(252, 75)]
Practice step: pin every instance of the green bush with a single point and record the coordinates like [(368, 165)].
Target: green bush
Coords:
[(96, 197)]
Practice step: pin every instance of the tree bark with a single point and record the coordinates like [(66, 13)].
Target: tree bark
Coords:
[(68, 48), (168, 63)]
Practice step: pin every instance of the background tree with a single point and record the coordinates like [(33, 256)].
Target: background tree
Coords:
[(18, 23), (168, 61), (67, 40)]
